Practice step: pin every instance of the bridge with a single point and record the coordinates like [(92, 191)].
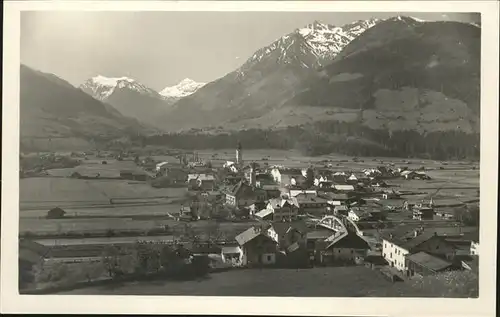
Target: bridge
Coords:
[(339, 225)]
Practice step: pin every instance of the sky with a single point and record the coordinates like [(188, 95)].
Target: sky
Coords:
[(160, 49)]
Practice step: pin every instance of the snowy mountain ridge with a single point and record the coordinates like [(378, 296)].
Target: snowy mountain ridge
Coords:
[(101, 87), (184, 88)]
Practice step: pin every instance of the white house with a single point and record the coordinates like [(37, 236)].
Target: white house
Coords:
[(160, 167), (396, 247), (355, 214), (319, 179), (474, 248), (233, 255)]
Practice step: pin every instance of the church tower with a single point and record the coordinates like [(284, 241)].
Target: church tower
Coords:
[(239, 155)]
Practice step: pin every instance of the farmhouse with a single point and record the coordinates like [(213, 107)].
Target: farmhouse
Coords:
[(311, 203), (356, 214), (259, 244), (201, 182), (265, 214), (422, 212), (56, 213), (276, 175), (244, 195), (161, 167), (344, 188), (345, 247), (396, 246), (283, 209), (290, 233), (423, 263), (232, 254)]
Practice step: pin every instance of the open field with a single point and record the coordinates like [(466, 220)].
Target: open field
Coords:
[(315, 282)]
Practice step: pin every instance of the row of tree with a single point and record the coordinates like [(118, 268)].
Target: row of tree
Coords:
[(335, 137)]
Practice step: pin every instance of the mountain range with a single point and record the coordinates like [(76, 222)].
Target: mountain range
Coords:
[(375, 76), (368, 82), (55, 113), (133, 99)]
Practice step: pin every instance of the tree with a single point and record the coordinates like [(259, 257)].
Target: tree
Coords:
[(309, 182), (110, 260)]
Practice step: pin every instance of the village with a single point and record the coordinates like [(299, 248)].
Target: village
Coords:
[(247, 213)]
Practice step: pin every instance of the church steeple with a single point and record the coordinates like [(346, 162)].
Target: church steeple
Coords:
[(239, 154)]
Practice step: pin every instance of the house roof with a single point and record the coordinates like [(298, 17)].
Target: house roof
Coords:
[(280, 202), (252, 232), (344, 187), (472, 263), (320, 234), (408, 241), (334, 196), (341, 207), (295, 192), (264, 213), (291, 172), (231, 249), (349, 240), (309, 198), (202, 177), (429, 261), (283, 227), (243, 190), (358, 212)]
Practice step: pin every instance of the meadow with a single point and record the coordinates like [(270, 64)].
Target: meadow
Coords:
[(315, 282)]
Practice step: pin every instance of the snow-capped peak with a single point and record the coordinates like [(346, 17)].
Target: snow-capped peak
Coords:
[(184, 88), (101, 87), (328, 40), (110, 81)]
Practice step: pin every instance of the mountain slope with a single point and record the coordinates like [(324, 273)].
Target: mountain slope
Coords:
[(129, 97), (403, 74), (51, 108), (268, 78)]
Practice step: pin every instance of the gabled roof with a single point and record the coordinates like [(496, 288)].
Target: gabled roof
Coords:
[(309, 198), (231, 249), (264, 213), (284, 227), (252, 233), (471, 264), (202, 177), (280, 202), (348, 240), (243, 190), (320, 234), (334, 196), (344, 187), (429, 261), (408, 241)]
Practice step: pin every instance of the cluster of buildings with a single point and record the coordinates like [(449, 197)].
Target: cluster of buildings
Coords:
[(316, 216), (291, 206)]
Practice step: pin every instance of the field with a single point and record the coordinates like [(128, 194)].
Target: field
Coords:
[(315, 282)]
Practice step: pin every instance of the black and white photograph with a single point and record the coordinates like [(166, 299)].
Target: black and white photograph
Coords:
[(252, 153)]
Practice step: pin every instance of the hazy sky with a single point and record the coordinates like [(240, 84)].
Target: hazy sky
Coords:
[(161, 48)]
